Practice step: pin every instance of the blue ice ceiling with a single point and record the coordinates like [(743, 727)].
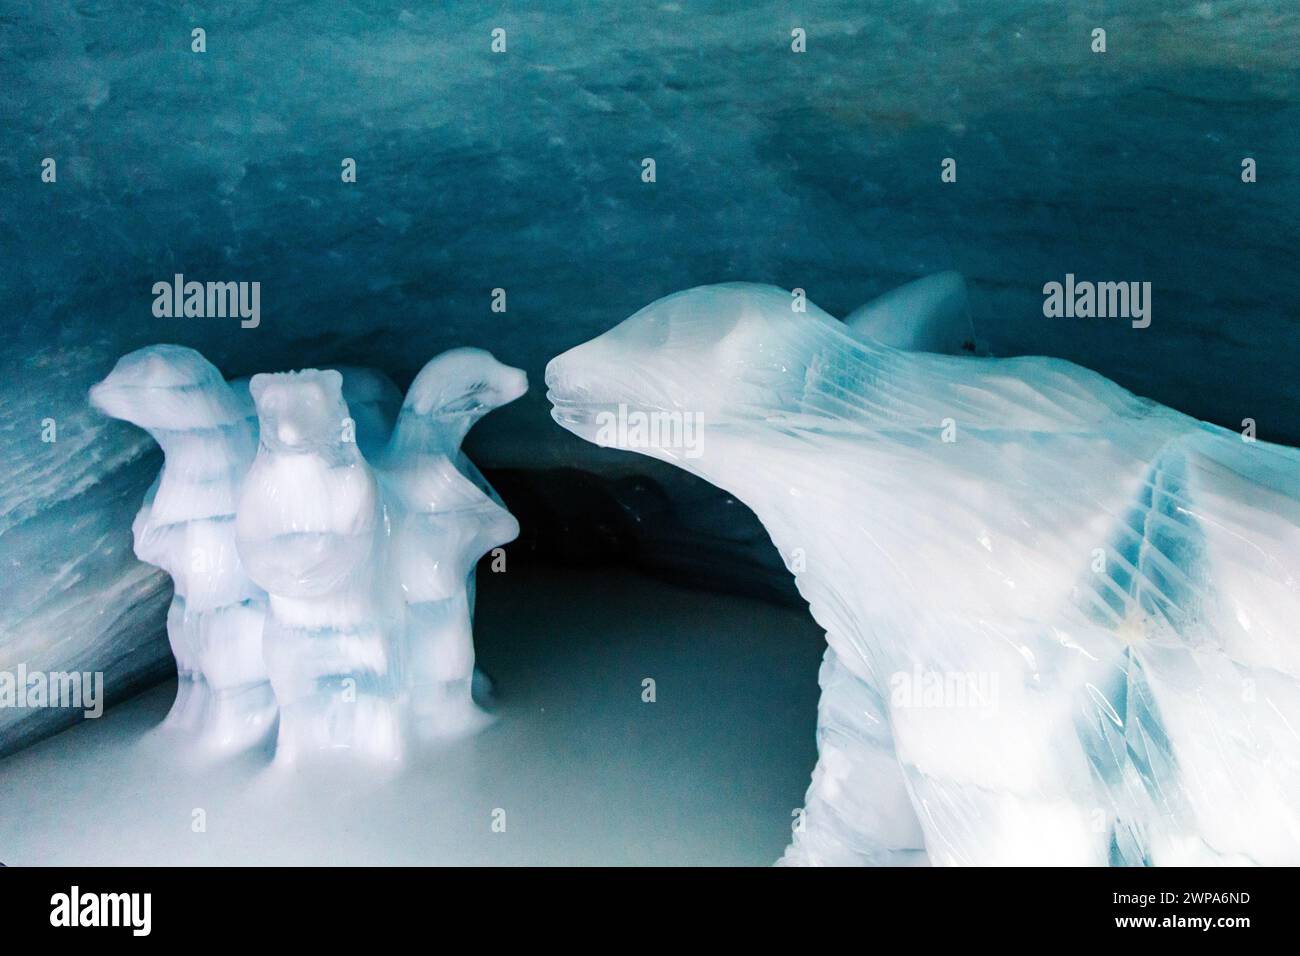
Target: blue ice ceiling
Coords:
[(522, 170)]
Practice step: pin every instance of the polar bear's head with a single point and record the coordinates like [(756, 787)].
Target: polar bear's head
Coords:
[(169, 388), (464, 382), (301, 412), (714, 362)]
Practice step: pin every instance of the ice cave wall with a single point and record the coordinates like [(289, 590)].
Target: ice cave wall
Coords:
[(522, 171)]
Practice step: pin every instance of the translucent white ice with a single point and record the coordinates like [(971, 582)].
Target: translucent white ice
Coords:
[(1061, 618), (930, 314), (186, 527), (307, 580), (444, 516)]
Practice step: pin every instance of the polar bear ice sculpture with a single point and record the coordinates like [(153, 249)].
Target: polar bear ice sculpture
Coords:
[(186, 527), (310, 529), (444, 517), (1061, 618), (311, 522)]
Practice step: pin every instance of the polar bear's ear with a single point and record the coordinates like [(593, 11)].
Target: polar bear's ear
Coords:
[(333, 380), (258, 384), (326, 385), (929, 315)]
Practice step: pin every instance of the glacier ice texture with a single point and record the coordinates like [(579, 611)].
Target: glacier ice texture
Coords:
[(73, 597), (1060, 618), (316, 593)]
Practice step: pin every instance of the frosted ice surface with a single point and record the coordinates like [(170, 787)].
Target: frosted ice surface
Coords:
[(931, 314), (370, 570), (186, 527), (1060, 617), (304, 585), (73, 597), (444, 517), (372, 399), (310, 529)]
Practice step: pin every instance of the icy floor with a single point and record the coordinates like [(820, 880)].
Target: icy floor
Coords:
[(585, 771)]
